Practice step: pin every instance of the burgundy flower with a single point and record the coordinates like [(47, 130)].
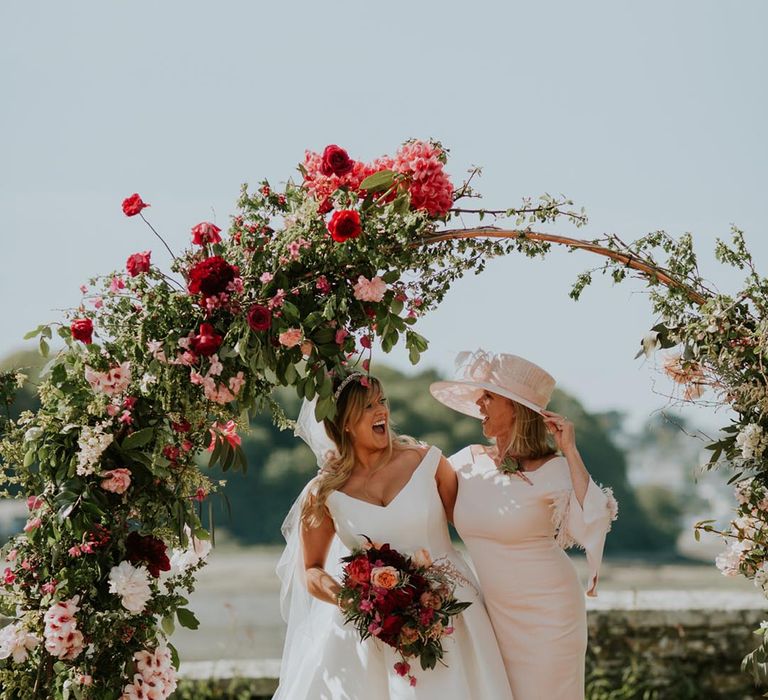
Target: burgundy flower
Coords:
[(183, 426), (133, 205), (138, 263), (390, 629), (259, 317), (336, 161), (206, 232), (344, 224), (211, 276), (148, 550), (207, 341), (82, 329)]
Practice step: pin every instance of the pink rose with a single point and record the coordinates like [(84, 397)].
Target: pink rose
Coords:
[(291, 337), (206, 232), (370, 290), (116, 480)]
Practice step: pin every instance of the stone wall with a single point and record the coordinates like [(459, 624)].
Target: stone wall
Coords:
[(658, 645)]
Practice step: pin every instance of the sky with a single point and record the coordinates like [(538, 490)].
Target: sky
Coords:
[(650, 115)]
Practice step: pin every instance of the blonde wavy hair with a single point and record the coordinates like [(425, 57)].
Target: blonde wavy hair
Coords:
[(530, 438), (350, 405)]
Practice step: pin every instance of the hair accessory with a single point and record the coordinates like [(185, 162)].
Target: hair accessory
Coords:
[(350, 377)]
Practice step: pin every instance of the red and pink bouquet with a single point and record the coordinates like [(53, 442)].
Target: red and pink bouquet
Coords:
[(405, 601)]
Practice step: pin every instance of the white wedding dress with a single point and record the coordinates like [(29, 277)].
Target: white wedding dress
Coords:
[(324, 659)]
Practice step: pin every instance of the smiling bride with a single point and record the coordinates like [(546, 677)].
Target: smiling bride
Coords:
[(374, 485)]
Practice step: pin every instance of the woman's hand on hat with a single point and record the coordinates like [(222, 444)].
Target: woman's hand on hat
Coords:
[(562, 430)]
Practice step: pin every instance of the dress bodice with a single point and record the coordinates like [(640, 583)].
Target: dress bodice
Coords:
[(507, 511), (415, 518)]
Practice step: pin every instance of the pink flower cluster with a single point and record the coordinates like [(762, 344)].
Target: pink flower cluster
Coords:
[(62, 638), (218, 393), (429, 187), (420, 162), (370, 289), (114, 381), (155, 677)]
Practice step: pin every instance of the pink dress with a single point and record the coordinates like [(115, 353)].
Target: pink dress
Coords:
[(515, 533)]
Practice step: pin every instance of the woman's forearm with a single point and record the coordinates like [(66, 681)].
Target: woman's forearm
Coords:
[(322, 585), (579, 474)]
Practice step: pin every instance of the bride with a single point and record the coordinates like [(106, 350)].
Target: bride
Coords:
[(372, 484)]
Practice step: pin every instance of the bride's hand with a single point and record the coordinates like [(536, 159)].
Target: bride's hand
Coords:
[(562, 430)]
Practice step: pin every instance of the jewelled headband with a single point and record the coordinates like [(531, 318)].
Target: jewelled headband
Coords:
[(347, 380)]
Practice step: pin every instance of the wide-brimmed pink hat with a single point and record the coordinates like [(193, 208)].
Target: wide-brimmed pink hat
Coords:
[(507, 375)]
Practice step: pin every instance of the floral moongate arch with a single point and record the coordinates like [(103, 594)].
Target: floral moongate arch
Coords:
[(161, 368)]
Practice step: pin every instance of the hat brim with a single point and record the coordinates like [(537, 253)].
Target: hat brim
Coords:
[(463, 396)]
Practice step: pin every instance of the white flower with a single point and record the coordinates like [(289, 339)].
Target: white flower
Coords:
[(131, 583), (729, 560), (742, 490), (752, 441), (196, 551), (32, 434), (15, 641), (92, 442), (146, 381), (761, 576)]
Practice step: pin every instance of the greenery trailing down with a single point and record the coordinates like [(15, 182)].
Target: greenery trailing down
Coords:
[(280, 465)]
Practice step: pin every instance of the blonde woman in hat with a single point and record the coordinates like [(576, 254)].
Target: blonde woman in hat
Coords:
[(521, 501)]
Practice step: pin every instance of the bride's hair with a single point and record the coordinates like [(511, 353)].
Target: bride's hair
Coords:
[(530, 437), (355, 396)]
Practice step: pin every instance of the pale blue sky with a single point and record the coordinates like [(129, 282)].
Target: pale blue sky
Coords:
[(652, 115)]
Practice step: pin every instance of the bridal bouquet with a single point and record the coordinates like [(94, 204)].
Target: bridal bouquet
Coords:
[(405, 601)]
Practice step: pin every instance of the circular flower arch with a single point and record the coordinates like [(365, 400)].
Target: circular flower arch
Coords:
[(161, 368)]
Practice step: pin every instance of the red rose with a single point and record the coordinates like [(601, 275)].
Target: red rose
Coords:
[(336, 161), (133, 205), (259, 318), (344, 224), (207, 341), (149, 550), (211, 276), (82, 329), (138, 263), (206, 232), (359, 570)]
